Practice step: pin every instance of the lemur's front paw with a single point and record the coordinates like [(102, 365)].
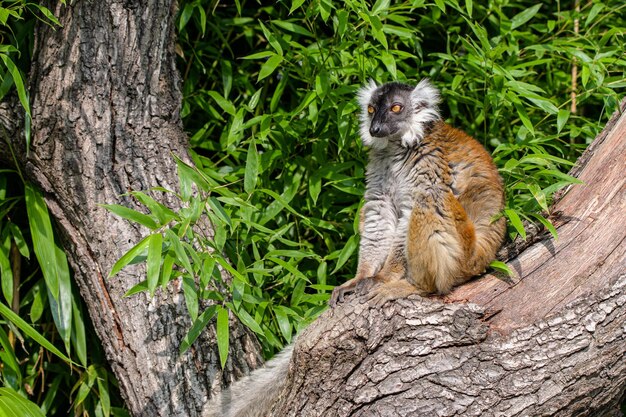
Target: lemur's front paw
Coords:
[(340, 291), (391, 291), (365, 285)]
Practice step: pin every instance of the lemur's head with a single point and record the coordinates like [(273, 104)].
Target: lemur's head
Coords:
[(397, 112)]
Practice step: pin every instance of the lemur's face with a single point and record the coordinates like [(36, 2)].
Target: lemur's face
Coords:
[(396, 112), (389, 109)]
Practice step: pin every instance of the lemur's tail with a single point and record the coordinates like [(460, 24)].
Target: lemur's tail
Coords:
[(255, 394)]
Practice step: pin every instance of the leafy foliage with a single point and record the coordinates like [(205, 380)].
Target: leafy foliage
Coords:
[(269, 104), (43, 325), (17, 18)]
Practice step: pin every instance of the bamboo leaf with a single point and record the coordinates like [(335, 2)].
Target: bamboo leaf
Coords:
[(6, 272), (502, 267), (79, 339), (252, 168), (31, 332), (191, 297), (523, 17), (132, 215), (162, 213), (181, 256), (13, 404), (131, 255), (196, 328), (19, 82), (155, 245), (270, 66), (561, 119), (516, 222), (43, 238), (222, 334), (224, 104), (346, 252), (248, 321)]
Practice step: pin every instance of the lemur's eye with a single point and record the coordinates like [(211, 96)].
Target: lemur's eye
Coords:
[(370, 109), (396, 108)]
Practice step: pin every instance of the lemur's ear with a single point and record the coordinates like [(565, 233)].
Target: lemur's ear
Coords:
[(364, 96), (425, 94)]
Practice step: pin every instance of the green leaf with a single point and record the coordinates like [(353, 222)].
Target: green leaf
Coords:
[(390, 63), (292, 27), (593, 13), (547, 224), (185, 15), (52, 261), (166, 269), (155, 246), (377, 31), (162, 213), (43, 238), (132, 215), (222, 334), (521, 112), (18, 238), (196, 328), (181, 256), (561, 119), (224, 104), (516, 222), (346, 252), (79, 338), (11, 369), (191, 296), (295, 4), (270, 66), (380, 6), (19, 82), (61, 308), (137, 288), (32, 333), (39, 301), (283, 321), (539, 196), (103, 391), (523, 17), (5, 267), (248, 321), (130, 256), (13, 404), (252, 168), (218, 209), (271, 38), (47, 13), (502, 267)]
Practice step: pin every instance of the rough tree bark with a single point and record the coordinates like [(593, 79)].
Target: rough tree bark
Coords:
[(105, 104), (550, 342)]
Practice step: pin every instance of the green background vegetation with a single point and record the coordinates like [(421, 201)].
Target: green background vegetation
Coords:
[(269, 106)]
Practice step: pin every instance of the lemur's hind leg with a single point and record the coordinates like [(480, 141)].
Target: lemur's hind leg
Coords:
[(439, 244)]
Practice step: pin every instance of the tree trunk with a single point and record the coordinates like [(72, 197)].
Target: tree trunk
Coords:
[(550, 342), (105, 104)]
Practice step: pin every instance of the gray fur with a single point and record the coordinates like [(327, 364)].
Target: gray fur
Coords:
[(255, 394)]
